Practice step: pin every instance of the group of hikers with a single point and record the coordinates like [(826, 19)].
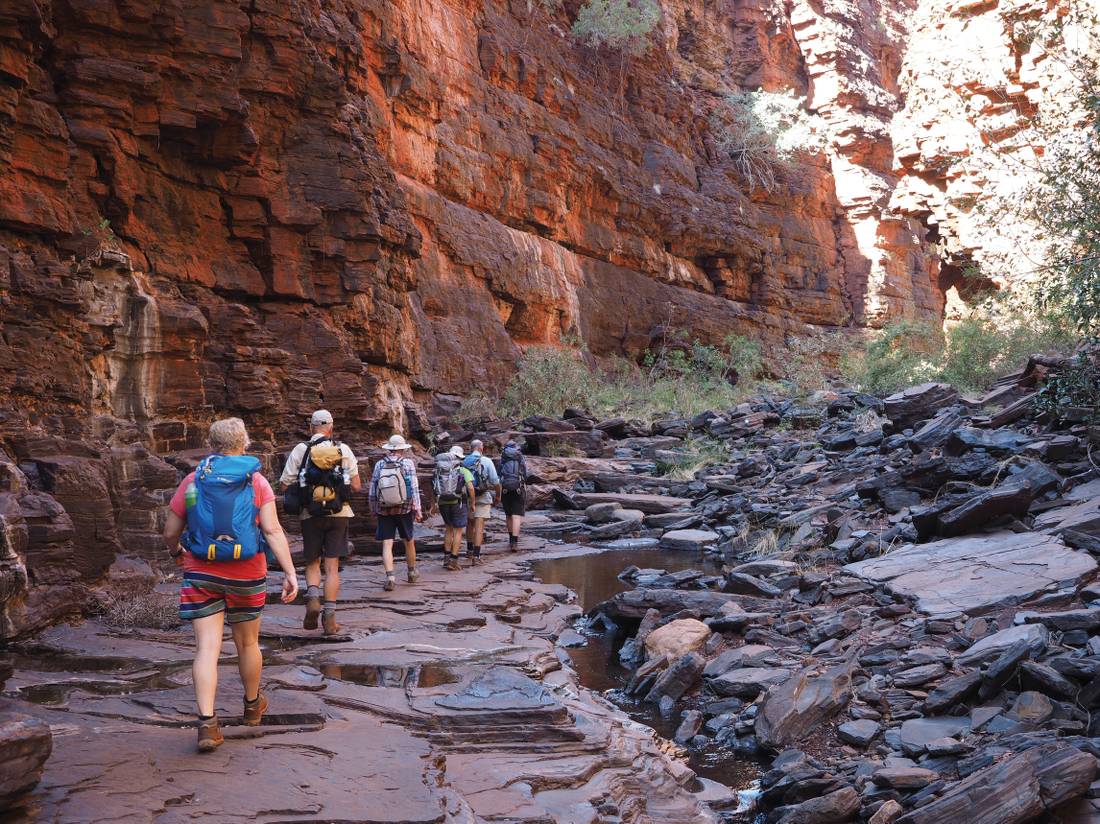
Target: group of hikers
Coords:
[(223, 529)]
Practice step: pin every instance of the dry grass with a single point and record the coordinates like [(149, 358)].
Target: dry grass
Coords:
[(133, 604), (696, 455)]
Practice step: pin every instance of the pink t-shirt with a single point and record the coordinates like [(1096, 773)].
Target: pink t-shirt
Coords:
[(249, 568), (262, 489)]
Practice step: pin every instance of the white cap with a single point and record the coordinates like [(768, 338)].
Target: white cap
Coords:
[(321, 417), (456, 450), (396, 443)]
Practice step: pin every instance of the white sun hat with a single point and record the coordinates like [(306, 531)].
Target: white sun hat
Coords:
[(396, 443), (456, 450)]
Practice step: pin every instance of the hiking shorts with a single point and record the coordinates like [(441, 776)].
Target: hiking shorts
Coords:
[(326, 536), (205, 592), (482, 511), (454, 515), (390, 526), (514, 503)]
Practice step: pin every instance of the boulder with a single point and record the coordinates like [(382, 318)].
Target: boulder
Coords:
[(791, 711), (750, 655), (918, 676), (649, 504), (25, 744), (888, 813), (917, 732), (601, 513), (1067, 620), (677, 638), (689, 540), (1019, 789), (918, 403), (1032, 708), (903, 778), (1007, 499), (992, 646), (994, 441), (681, 675), (744, 584), (633, 604), (748, 682), (952, 692), (833, 808), (690, 723), (767, 567), (860, 733)]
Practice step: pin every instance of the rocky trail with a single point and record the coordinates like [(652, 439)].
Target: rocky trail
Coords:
[(853, 610), (445, 701)]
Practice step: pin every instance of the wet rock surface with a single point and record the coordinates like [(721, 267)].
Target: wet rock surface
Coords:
[(421, 714)]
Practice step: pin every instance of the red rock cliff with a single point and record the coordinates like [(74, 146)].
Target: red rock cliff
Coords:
[(256, 208)]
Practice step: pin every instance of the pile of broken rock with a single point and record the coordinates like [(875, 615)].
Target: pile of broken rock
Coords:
[(905, 624)]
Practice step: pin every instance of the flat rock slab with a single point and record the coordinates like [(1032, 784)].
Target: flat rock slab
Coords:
[(1083, 517), (916, 733), (649, 504), (993, 645), (688, 539), (977, 573)]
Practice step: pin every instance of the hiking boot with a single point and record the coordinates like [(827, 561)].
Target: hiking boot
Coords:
[(513, 544), (255, 711), (451, 562), (210, 735), (477, 556), (328, 621), (414, 575), (391, 582), (313, 612)]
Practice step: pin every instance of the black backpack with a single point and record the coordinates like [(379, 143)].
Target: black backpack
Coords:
[(319, 491), (513, 469)]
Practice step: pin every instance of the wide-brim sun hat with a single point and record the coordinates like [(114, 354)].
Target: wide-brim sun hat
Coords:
[(456, 450), (396, 443)]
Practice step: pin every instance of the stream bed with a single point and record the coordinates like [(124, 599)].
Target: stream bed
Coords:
[(594, 578)]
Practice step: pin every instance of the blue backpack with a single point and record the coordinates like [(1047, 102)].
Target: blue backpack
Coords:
[(477, 469), (221, 524)]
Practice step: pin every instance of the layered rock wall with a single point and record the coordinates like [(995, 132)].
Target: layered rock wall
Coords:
[(258, 208)]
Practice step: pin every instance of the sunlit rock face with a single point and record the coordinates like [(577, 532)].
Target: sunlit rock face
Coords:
[(987, 86)]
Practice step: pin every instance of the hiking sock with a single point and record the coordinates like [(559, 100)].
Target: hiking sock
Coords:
[(205, 717), (330, 606), (477, 552), (513, 540), (313, 591), (251, 702)]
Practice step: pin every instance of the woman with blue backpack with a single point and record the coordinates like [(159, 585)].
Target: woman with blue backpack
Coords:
[(221, 528)]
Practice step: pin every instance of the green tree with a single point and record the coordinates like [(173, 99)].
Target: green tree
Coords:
[(622, 25)]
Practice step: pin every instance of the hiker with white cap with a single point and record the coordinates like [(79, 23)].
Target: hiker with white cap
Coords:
[(318, 478), (395, 499)]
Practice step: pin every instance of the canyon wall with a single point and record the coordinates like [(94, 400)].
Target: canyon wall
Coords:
[(259, 208)]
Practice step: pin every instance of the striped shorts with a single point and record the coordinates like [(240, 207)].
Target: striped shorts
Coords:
[(204, 593)]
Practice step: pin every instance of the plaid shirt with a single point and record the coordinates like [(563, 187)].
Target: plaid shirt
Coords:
[(408, 468)]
